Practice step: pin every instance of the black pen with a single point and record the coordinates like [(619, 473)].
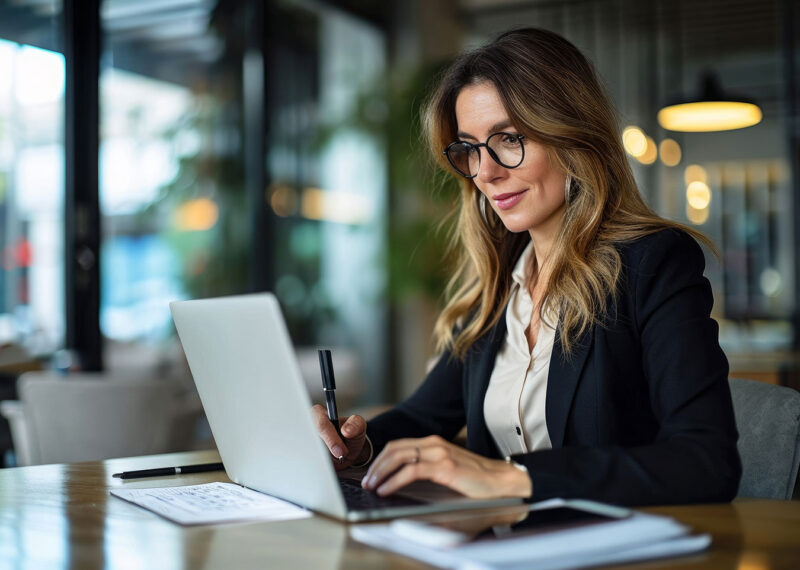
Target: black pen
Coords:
[(161, 471), (328, 386)]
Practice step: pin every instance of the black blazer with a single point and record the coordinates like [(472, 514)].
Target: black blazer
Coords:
[(640, 412)]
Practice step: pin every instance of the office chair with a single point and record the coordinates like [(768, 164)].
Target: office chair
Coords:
[(768, 420), (93, 416)]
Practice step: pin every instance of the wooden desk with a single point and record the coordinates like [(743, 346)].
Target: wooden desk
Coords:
[(59, 516), (781, 368)]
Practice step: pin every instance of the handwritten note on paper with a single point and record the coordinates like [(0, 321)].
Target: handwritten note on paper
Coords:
[(211, 503)]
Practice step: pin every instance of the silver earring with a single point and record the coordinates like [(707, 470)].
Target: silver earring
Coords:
[(567, 186), (482, 207)]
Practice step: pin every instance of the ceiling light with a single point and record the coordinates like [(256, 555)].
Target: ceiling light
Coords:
[(711, 110)]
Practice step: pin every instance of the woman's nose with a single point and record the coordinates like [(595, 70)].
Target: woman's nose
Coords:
[(489, 170)]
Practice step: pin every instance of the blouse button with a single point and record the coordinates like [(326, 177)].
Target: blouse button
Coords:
[(519, 431)]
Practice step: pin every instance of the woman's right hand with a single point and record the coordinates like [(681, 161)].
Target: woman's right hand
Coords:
[(354, 432)]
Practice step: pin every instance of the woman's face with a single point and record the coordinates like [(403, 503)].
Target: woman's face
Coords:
[(529, 197)]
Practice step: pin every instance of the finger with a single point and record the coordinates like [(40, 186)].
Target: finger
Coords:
[(392, 458), (353, 455), (408, 473), (384, 460), (327, 432), (354, 427)]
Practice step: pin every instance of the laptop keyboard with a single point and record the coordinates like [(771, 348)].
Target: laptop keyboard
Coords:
[(359, 499)]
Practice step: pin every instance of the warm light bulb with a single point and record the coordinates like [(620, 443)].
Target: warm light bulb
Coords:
[(196, 215), (695, 172), (634, 141), (670, 152), (283, 200), (650, 153), (698, 195), (706, 116), (697, 216), (312, 205)]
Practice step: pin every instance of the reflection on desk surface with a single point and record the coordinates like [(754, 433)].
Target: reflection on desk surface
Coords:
[(63, 516), (317, 543)]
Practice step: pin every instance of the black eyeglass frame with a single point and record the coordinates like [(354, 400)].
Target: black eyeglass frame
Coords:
[(489, 150)]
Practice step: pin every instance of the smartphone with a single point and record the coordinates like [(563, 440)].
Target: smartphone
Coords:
[(549, 516), (558, 518)]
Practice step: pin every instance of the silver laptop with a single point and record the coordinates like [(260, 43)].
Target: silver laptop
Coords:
[(259, 411)]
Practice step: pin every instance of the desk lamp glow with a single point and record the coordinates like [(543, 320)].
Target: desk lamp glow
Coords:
[(713, 110)]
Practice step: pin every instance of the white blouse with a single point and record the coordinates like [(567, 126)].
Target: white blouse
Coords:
[(514, 407)]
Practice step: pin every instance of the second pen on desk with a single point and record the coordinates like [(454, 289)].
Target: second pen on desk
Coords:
[(328, 386), (162, 471)]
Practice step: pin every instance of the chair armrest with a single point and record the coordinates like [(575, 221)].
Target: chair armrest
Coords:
[(12, 409), (14, 412)]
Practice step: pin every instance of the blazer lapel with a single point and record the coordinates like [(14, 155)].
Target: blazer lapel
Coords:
[(562, 381)]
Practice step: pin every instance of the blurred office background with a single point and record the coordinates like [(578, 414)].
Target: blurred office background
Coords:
[(153, 150)]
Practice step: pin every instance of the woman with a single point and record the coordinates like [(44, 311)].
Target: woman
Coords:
[(577, 346)]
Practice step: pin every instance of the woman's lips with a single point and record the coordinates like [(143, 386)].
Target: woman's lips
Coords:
[(506, 201)]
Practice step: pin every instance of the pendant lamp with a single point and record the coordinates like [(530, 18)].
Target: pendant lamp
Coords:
[(711, 110)]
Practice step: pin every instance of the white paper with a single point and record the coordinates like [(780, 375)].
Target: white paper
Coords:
[(638, 537), (211, 503), (661, 549)]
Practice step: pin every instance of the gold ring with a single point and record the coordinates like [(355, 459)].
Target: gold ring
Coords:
[(418, 456)]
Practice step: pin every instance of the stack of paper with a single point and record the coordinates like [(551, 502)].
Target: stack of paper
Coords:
[(637, 537)]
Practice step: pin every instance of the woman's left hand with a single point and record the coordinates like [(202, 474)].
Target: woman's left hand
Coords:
[(436, 459)]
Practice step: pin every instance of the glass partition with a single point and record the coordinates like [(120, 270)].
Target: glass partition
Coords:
[(31, 181), (177, 216)]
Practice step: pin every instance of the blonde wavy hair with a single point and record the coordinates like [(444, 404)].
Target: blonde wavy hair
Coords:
[(552, 96)]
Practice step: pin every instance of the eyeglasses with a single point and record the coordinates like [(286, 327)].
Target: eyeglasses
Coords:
[(506, 149)]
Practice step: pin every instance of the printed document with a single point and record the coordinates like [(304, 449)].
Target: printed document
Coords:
[(211, 503)]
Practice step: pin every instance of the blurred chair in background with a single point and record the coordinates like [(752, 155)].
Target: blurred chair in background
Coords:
[(768, 420), (93, 416), (14, 360), (121, 413)]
